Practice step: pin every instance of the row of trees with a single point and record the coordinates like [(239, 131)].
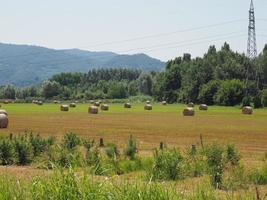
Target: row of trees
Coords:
[(219, 77)]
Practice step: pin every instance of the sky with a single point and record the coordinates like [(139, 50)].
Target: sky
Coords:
[(163, 29)]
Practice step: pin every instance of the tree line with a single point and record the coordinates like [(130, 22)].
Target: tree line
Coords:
[(221, 77)]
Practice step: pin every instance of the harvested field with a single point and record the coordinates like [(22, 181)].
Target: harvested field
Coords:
[(225, 124)]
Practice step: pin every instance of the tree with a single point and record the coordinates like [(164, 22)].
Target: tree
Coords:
[(50, 89), (208, 91), (230, 93), (117, 91), (9, 92), (145, 83)]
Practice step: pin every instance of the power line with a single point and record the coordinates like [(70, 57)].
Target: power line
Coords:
[(165, 34)]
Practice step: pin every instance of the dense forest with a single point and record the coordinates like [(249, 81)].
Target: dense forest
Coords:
[(219, 77)]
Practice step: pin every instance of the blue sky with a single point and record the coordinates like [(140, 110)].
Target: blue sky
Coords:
[(100, 25)]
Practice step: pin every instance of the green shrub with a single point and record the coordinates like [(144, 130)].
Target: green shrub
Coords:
[(131, 148), (38, 144), (259, 176), (215, 163), (23, 151), (112, 151), (232, 155), (7, 151), (167, 165), (71, 141)]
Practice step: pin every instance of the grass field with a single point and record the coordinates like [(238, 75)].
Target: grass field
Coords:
[(163, 123)]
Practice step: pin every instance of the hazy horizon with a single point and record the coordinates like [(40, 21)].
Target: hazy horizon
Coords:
[(160, 29)]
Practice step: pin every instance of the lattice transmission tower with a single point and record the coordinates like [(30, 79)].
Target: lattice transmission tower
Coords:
[(252, 44)]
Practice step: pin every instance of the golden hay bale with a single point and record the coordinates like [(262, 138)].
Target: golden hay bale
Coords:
[(56, 102), (247, 110), (127, 105), (148, 102), (190, 105), (97, 103), (104, 107), (203, 107), (189, 111), (72, 105), (92, 101), (2, 111), (148, 107), (93, 109), (64, 108), (3, 121), (6, 102), (164, 103)]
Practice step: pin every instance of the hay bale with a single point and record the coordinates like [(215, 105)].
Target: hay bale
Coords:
[(3, 121), (56, 102), (6, 102), (164, 103), (97, 103), (64, 108), (93, 109), (203, 107), (2, 111), (148, 102), (104, 107), (191, 105), (148, 107), (76, 101), (92, 101), (189, 111), (127, 105), (247, 110), (72, 105), (40, 103)]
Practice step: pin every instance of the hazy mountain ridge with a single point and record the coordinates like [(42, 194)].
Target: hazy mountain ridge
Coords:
[(24, 65)]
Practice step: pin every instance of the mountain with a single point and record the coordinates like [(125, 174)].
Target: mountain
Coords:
[(24, 65)]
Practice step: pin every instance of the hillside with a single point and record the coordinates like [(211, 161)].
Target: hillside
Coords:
[(23, 65)]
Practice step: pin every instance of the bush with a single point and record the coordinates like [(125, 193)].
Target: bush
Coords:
[(216, 164), (233, 156), (38, 144), (131, 148), (112, 151), (259, 176), (7, 152), (23, 151), (71, 141), (167, 165)]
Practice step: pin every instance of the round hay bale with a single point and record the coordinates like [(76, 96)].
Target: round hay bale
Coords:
[(2, 111), (97, 103), (191, 105), (73, 105), (93, 110), (56, 102), (247, 110), (203, 107), (104, 107), (76, 101), (92, 101), (40, 103), (148, 107), (164, 103), (64, 108), (189, 111), (127, 105), (6, 102), (148, 102), (3, 121)]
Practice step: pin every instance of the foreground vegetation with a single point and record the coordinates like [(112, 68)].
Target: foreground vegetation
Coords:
[(76, 162)]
